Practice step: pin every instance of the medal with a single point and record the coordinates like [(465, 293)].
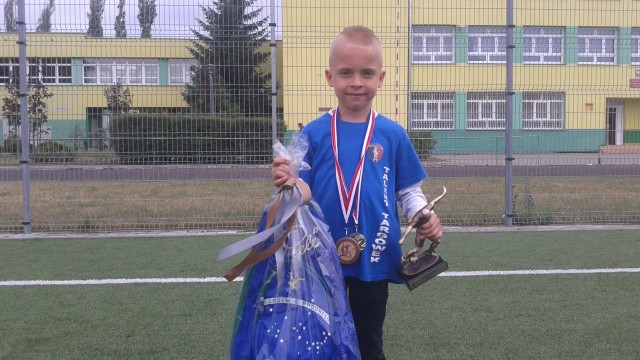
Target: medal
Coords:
[(348, 250), (350, 247)]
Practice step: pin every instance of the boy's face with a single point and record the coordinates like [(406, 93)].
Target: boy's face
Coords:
[(355, 73)]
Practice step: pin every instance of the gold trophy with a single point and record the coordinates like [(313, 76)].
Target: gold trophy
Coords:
[(417, 267)]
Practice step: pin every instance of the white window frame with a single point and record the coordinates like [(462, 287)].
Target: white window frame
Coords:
[(433, 111), (35, 69), (543, 110), (10, 68), (592, 46), (439, 37), (55, 65), (635, 46), (123, 71), (545, 37), (486, 110), (487, 45), (180, 71)]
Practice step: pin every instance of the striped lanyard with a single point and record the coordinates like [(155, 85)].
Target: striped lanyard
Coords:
[(350, 196)]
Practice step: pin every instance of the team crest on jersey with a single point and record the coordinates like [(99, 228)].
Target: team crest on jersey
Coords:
[(375, 151)]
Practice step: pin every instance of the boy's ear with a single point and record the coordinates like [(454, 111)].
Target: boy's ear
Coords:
[(329, 76), (381, 78)]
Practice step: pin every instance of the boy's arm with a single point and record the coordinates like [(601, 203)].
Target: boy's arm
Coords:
[(411, 200)]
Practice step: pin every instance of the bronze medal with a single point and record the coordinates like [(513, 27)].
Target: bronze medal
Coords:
[(348, 250)]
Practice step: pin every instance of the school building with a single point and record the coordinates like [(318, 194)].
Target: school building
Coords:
[(77, 69), (576, 70)]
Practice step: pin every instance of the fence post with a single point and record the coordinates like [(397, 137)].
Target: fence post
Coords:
[(274, 79), (508, 199), (24, 119)]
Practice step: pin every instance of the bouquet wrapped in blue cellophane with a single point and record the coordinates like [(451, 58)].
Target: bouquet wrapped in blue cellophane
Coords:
[(293, 303)]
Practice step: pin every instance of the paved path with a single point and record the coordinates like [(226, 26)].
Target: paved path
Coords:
[(187, 233), (471, 165)]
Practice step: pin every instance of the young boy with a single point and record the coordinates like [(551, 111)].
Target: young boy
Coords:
[(362, 163)]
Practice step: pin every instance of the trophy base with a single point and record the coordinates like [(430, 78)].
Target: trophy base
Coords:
[(428, 266)]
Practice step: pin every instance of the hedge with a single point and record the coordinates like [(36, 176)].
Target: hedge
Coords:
[(173, 139)]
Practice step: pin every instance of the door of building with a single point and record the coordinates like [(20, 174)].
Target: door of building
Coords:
[(615, 124)]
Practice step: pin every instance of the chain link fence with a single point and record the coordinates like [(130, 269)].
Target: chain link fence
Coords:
[(161, 114)]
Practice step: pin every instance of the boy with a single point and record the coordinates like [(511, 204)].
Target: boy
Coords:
[(361, 164)]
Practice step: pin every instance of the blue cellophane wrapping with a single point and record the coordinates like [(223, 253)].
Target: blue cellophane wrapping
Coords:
[(293, 304), (306, 315)]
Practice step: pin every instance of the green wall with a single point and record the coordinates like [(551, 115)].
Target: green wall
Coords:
[(462, 141), (525, 142), (631, 137)]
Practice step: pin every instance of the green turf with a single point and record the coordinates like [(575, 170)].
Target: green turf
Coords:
[(583, 316)]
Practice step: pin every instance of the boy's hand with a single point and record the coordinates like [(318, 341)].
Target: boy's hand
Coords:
[(432, 229), (280, 173)]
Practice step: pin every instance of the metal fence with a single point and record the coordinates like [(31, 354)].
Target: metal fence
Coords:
[(161, 114)]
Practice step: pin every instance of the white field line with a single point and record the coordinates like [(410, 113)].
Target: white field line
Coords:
[(222, 280)]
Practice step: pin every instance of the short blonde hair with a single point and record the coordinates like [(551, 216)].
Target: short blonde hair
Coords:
[(358, 34)]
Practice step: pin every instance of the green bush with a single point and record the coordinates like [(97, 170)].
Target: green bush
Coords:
[(11, 145), (423, 142), (52, 151), (167, 139)]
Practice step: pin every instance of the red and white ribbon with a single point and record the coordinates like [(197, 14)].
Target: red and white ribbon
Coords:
[(349, 197)]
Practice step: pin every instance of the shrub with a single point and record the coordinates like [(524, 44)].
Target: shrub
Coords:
[(172, 139), (423, 142), (52, 151), (12, 145)]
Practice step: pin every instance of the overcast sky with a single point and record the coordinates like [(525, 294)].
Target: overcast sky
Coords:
[(175, 17)]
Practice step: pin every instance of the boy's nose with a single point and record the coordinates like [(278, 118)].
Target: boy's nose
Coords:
[(356, 81)]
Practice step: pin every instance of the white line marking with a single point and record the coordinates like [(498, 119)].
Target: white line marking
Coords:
[(114, 281), (239, 279), (538, 272)]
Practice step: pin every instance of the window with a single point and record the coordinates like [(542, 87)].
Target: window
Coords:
[(487, 44), (486, 111), (433, 44), (635, 46), (432, 111), (8, 68), (123, 71), (596, 46), (543, 111), (543, 45), (180, 71), (49, 71)]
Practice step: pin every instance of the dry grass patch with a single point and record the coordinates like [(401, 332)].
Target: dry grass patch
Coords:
[(239, 203)]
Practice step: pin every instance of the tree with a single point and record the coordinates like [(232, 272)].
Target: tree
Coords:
[(230, 49), (36, 106), (96, 9), (119, 99), (146, 16), (44, 22), (205, 94), (11, 103), (38, 111), (120, 26), (10, 16)]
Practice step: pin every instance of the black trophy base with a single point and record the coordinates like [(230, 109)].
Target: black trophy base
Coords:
[(428, 266)]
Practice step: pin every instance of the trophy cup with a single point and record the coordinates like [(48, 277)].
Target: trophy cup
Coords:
[(417, 268)]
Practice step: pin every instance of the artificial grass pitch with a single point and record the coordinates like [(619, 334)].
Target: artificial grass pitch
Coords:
[(560, 316)]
